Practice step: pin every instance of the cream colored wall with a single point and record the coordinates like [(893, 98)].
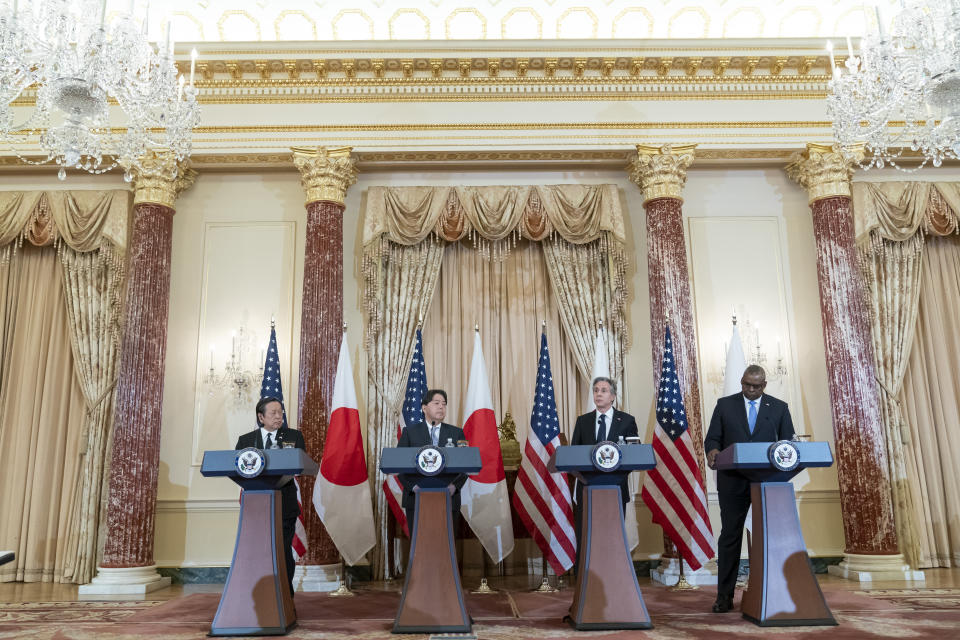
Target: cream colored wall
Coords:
[(196, 516)]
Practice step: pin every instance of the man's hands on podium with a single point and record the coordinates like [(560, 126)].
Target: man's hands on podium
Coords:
[(712, 458)]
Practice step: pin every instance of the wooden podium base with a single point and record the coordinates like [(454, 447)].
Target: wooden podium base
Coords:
[(783, 590), (256, 598), (432, 600), (607, 595)]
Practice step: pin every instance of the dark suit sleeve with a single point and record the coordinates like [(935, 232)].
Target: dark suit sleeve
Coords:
[(631, 430), (714, 439), (577, 437), (785, 428)]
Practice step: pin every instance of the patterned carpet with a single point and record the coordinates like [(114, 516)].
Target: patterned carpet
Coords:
[(910, 614)]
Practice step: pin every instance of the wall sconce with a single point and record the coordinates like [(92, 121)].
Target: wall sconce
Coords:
[(238, 378)]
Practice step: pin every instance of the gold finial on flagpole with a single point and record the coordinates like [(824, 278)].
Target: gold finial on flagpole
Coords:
[(543, 325), (419, 322), (344, 327), (734, 316), (600, 324), (476, 327), (273, 322)]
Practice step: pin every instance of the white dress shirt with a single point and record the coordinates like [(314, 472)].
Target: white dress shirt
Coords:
[(273, 437)]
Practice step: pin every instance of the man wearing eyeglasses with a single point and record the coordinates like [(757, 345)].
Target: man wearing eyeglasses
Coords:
[(750, 416)]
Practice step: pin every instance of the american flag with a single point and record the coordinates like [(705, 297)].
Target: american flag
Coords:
[(271, 387), (673, 490), (412, 414), (542, 499)]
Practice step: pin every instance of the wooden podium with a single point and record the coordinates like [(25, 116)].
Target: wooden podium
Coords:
[(432, 600), (783, 591), (607, 594), (256, 598)]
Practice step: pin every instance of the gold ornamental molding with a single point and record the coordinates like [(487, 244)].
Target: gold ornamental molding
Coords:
[(325, 172), (823, 172), (661, 172), (259, 79), (161, 179)]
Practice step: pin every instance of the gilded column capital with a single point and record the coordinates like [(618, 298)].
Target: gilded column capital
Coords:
[(159, 179), (661, 172), (824, 172), (325, 172)]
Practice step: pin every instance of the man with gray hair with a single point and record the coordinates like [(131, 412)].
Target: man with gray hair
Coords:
[(604, 423)]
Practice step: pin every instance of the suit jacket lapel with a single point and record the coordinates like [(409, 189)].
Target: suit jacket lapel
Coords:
[(258, 437)]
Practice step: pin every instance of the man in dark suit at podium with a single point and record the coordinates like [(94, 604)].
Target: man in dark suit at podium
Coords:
[(433, 430), (605, 423), (271, 434), (749, 416)]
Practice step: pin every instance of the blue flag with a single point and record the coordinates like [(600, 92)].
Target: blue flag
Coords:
[(416, 386), (271, 387), (670, 411)]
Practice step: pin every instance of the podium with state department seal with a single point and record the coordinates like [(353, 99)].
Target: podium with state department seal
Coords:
[(256, 597), (432, 599), (607, 594), (783, 590)]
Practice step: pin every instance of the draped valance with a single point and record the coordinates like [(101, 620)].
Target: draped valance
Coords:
[(899, 210), (494, 218), (83, 220), (578, 213)]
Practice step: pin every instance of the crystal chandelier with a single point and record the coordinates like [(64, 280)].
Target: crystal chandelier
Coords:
[(902, 93), (78, 68)]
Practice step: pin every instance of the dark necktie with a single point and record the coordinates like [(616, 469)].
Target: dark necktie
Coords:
[(269, 441), (602, 432)]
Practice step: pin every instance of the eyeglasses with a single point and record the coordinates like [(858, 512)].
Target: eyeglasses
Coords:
[(747, 385)]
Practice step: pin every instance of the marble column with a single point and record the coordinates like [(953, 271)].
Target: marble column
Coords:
[(325, 174), (127, 566), (871, 552), (661, 172)]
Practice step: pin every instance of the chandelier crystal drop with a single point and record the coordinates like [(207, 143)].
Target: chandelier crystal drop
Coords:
[(900, 97), (104, 94)]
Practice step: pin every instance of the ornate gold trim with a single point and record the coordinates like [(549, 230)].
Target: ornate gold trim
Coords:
[(325, 172), (823, 172), (661, 172), (160, 179), (514, 126)]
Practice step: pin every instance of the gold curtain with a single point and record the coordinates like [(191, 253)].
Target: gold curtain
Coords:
[(87, 231), (407, 277), (509, 300), (894, 220), (498, 272), (41, 420), (92, 289), (932, 414)]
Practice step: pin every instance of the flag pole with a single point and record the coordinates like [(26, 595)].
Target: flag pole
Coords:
[(682, 584)]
